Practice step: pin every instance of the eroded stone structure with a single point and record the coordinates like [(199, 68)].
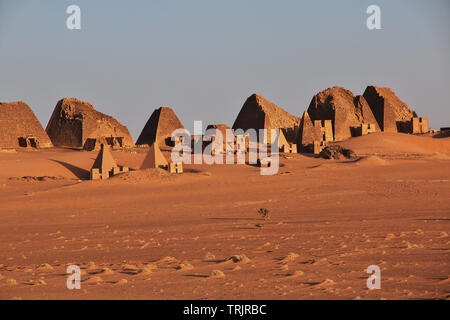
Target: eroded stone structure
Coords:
[(159, 128), (19, 127), (75, 123), (420, 125), (345, 110)]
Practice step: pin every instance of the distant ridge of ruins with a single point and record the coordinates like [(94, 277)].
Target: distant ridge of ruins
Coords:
[(19, 127), (76, 123)]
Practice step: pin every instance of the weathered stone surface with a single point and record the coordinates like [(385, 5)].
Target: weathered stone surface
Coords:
[(73, 122), (17, 121), (159, 128), (305, 141), (342, 107), (337, 152), (259, 113), (391, 113)]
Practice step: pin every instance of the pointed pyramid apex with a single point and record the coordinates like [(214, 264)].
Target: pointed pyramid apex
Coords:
[(154, 158), (104, 161)]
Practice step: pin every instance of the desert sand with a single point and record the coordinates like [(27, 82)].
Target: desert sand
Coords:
[(197, 235)]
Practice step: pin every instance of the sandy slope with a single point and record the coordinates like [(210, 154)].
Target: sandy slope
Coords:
[(151, 235)]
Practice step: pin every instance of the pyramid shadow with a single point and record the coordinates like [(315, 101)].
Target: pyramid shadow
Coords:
[(80, 173)]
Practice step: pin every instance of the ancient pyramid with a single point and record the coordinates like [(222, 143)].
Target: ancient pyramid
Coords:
[(104, 161), (392, 114), (20, 127), (340, 105), (159, 128), (306, 134), (74, 122), (154, 158), (259, 113)]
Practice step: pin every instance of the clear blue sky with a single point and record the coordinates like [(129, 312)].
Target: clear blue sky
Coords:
[(205, 57)]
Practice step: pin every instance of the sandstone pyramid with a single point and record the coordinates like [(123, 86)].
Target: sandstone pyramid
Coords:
[(342, 107), (20, 127), (392, 114), (154, 158), (104, 161), (259, 113), (73, 122), (159, 128), (305, 140)]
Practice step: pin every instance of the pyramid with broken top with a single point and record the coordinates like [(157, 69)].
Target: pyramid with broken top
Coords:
[(154, 158)]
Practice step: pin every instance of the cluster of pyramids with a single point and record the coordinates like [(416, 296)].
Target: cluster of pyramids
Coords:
[(334, 114)]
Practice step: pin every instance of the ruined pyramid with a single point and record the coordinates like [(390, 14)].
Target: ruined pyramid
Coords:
[(20, 127), (75, 122), (346, 111), (159, 128), (154, 158), (259, 113)]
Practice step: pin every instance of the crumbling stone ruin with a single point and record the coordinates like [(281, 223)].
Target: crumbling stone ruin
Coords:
[(175, 167), (419, 125), (337, 152), (314, 137), (259, 113), (391, 113), (345, 110), (159, 128), (19, 127), (75, 123), (105, 166), (378, 109)]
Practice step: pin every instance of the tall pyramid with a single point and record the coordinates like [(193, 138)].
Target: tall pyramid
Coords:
[(75, 122), (19, 126), (259, 113), (159, 127), (392, 114), (104, 161), (154, 158)]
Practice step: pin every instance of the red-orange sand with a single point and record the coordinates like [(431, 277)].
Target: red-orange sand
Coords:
[(151, 235)]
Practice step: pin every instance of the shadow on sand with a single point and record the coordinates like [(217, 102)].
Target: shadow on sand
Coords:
[(80, 173)]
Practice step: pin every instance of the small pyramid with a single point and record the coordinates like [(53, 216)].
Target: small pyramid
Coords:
[(154, 158), (104, 161)]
